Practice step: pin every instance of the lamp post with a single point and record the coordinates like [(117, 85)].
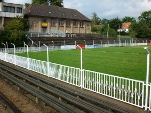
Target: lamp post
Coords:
[(6, 46), (107, 31), (119, 30), (82, 82), (27, 56), (101, 43), (53, 44), (64, 43), (39, 45), (147, 77), (47, 59), (14, 47), (85, 42), (75, 43), (14, 54), (27, 50), (5, 50), (24, 46)]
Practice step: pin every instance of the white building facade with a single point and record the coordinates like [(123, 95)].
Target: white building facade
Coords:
[(9, 11)]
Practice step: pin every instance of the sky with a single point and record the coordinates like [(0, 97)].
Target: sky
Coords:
[(108, 9)]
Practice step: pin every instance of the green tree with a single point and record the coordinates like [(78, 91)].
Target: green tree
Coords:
[(4, 36), (51, 2), (39, 1), (129, 19), (115, 23), (16, 27), (56, 2), (106, 28), (146, 17), (140, 30), (95, 19), (26, 5), (104, 21)]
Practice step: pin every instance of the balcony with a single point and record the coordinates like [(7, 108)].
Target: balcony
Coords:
[(11, 15)]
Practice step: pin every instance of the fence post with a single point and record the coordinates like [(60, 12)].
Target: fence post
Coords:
[(47, 59), (82, 80), (147, 77)]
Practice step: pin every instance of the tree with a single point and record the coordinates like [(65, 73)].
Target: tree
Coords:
[(56, 2), (106, 28), (39, 1), (4, 36), (50, 2), (115, 23), (95, 19), (1, 0), (26, 5), (104, 21), (16, 27), (129, 19), (140, 30), (146, 17)]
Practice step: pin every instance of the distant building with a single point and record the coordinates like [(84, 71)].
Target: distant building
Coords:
[(9, 11), (43, 18), (125, 26)]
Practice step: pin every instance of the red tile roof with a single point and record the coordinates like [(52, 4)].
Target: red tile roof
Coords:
[(126, 25)]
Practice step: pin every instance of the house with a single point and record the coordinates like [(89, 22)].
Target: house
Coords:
[(125, 26), (9, 11), (43, 18)]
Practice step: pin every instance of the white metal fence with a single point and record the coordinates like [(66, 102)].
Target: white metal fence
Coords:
[(65, 47), (124, 89)]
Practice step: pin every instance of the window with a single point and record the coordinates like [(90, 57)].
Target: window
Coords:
[(81, 24), (44, 22), (53, 23), (44, 29), (9, 9), (68, 23), (19, 10), (75, 24), (61, 23)]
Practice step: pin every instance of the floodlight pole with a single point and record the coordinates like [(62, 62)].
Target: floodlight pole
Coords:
[(107, 31), (27, 56), (147, 77), (14, 47), (101, 43), (39, 45), (47, 59), (53, 44), (14, 54), (7, 46), (64, 43), (75, 43), (5, 50), (24, 46), (27, 50), (81, 67)]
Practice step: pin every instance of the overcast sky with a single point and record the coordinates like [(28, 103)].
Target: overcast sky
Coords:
[(108, 9)]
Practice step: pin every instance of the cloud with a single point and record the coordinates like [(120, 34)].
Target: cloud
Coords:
[(18, 1), (104, 8)]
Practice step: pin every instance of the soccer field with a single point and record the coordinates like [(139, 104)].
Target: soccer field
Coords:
[(129, 62)]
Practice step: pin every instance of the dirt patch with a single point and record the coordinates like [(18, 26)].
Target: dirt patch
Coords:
[(21, 102)]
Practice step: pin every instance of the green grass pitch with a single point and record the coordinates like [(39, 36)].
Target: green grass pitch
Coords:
[(129, 62)]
